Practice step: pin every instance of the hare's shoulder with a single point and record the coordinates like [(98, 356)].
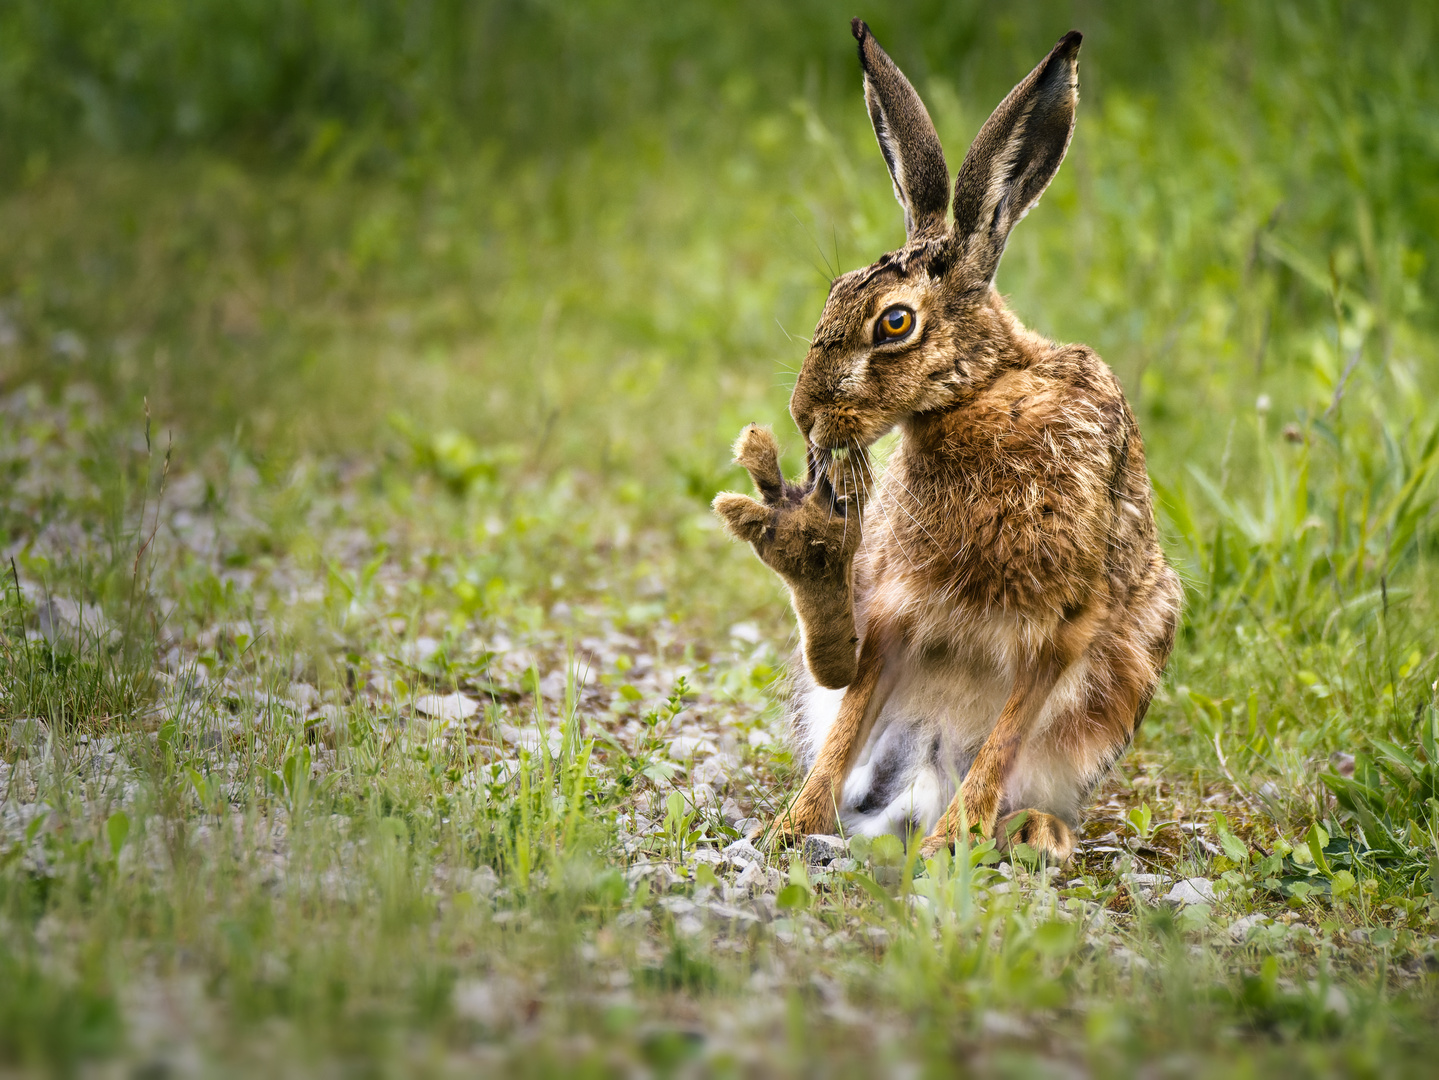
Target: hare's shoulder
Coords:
[(1067, 384), (1066, 404)]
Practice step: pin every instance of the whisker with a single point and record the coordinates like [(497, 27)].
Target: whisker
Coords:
[(789, 336), (884, 513), (817, 246), (896, 480)]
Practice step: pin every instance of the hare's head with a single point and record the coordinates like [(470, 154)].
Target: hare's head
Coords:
[(908, 333)]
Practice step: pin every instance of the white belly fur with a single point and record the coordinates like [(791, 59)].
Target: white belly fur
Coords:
[(933, 723)]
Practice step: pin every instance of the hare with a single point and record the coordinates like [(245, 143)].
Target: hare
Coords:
[(983, 625)]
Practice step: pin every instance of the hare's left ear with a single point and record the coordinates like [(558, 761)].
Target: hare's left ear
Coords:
[(906, 137), (1015, 156)]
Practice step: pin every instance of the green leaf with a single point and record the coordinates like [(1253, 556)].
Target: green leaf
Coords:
[(1023, 854), (1054, 938), (33, 829), (875, 890), (1193, 917), (1341, 883), (985, 853), (793, 897), (1140, 817), (1316, 840), (1234, 847), (705, 875), (117, 828), (887, 850)]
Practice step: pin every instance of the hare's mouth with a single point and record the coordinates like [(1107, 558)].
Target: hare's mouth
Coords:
[(839, 474)]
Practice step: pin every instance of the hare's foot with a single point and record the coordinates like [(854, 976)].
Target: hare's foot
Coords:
[(975, 807), (1045, 833), (811, 812)]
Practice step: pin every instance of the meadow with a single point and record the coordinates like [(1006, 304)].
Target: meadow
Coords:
[(378, 695)]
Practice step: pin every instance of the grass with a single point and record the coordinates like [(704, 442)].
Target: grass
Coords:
[(329, 402)]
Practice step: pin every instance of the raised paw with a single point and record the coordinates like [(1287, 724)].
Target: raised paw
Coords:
[(806, 532), (757, 450), (1045, 833)]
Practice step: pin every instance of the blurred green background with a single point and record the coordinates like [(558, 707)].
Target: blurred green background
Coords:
[(597, 232)]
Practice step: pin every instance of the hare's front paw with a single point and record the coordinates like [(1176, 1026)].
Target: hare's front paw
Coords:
[(804, 532), (808, 815), (975, 807)]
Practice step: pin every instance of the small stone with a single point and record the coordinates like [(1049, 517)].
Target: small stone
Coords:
[(28, 731), (533, 739), (751, 878), (1191, 891), (420, 651), (731, 914), (821, 848), (1005, 1025), (742, 851), (304, 695), (684, 747), (447, 706), (331, 725), (730, 811), (1239, 929), (554, 686), (1336, 1002), (749, 633), (484, 881)]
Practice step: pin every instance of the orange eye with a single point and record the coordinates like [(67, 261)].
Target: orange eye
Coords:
[(895, 323)]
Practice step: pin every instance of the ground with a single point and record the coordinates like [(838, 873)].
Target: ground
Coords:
[(338, 799)]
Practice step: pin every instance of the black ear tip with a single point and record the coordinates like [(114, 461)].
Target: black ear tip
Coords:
[(1069, 43), (858, 29)]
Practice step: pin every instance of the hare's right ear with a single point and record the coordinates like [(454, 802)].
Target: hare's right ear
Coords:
[(1014, 157), (906, 137)]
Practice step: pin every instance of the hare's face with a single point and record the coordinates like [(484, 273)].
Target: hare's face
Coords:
[(905, 335), (887, 346)]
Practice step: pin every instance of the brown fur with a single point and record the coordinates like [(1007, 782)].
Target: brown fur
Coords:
[(1013, 528)]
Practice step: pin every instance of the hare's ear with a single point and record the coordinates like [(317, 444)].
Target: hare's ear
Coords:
[(906, 138), (1015, 156)]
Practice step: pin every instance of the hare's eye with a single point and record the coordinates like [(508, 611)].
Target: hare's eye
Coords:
[(894, 324)]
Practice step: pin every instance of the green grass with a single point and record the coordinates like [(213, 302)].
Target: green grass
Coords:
[(352, 354)]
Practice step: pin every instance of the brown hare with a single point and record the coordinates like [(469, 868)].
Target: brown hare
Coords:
[(993, 612)]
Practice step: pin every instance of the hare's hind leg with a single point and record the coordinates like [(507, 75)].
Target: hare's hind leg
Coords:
[(977, 804), (1058, 770), (1047, 834)]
